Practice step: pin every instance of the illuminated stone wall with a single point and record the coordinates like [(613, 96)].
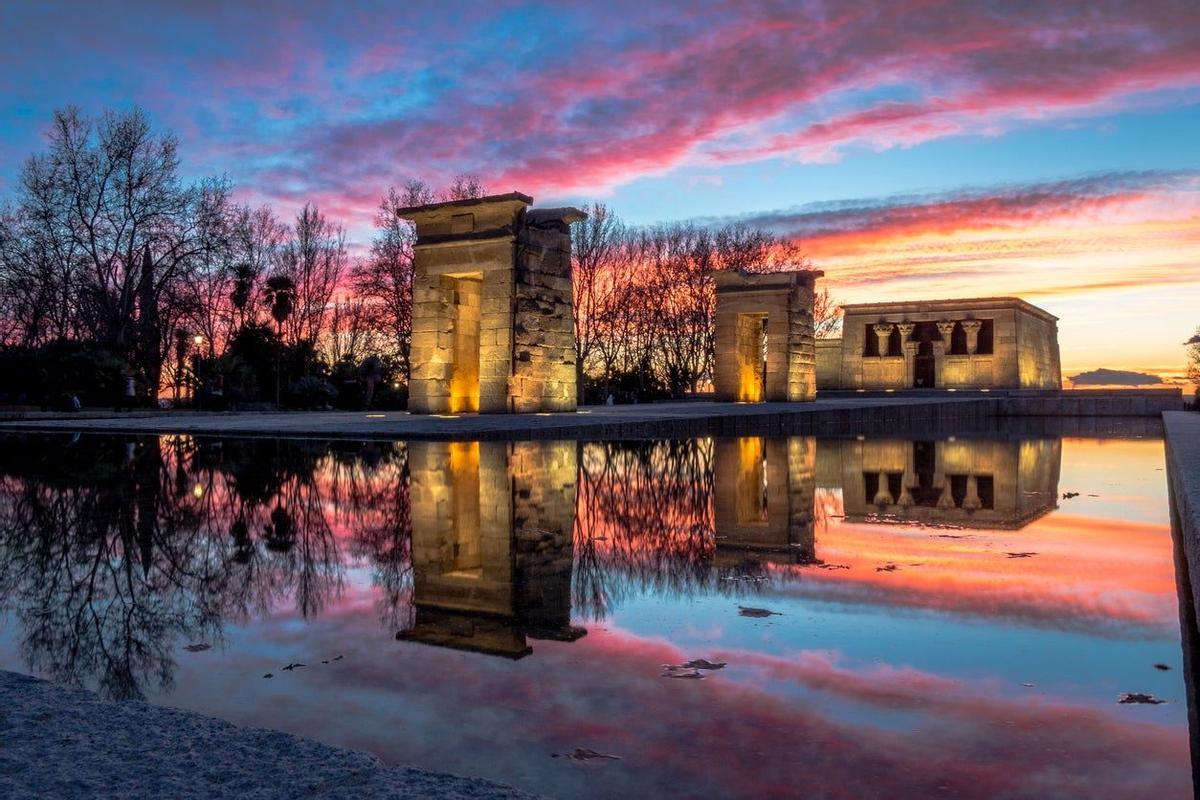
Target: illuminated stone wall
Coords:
[(963, 483), (986, 343), (493, 329), (785, 299), (764, 490), (492, 543)]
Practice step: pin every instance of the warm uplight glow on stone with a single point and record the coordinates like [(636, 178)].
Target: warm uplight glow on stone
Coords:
[(493, 327)]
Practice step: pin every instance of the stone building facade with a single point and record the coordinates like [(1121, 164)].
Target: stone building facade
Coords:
[(980, 343), (492, 544), (493, 329), (764, 336)]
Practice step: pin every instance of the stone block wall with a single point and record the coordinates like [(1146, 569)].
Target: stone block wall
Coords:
[(543, 367), (1038, 362)]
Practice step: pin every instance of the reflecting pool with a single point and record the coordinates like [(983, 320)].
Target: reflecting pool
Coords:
[(941, 617)]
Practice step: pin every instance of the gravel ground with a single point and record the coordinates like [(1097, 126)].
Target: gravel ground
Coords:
[(58, 742)]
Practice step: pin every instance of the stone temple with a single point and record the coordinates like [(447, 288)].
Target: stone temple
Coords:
[(492, 328), (764, 336), (981, 343)]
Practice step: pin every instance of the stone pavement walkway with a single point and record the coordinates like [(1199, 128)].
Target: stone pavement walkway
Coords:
[(657, 420), (63, 743)]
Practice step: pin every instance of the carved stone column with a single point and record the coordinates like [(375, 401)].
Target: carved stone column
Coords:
[(909, 349), (971, 328), (945, 329), (883, 331), (883, 497), (972, 502)]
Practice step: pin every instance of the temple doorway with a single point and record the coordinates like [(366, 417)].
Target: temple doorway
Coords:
[(923, 365), (752, 357), (464, 307)]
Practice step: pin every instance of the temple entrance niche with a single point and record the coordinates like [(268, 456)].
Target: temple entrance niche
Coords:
[(493, 326), (492, 544), (752, 357), (765, 350), (463, 309), (763, 502)]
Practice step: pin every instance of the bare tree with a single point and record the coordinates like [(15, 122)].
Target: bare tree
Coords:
[(104, 195), (595, 246), (465, 187), (314, 257), (384, 277)]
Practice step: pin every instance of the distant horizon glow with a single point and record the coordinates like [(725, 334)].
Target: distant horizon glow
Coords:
[(918, 150)]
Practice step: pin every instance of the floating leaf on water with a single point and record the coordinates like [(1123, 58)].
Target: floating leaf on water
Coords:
[(685, 673), (199, 647), (1140, 698), (585, 754), (747, 611)]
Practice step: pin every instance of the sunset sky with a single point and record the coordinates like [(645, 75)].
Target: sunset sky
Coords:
[(918, 149)]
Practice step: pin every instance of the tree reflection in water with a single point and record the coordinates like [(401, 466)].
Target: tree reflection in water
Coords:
[(114, 551)]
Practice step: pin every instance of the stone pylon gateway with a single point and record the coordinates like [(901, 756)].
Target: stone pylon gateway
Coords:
[(493, 328), (765, 349)]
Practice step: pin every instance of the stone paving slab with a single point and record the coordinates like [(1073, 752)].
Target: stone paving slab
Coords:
[(657, 420), (64, 743)]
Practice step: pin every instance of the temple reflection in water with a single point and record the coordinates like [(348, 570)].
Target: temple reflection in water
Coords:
[(763, 498), (473, 546), (492, 535), (969, 483)]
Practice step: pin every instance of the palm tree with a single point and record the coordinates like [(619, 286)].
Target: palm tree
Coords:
[(243, 289), (281, 296)]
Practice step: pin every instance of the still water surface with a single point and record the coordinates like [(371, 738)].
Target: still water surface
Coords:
[(943, 621)]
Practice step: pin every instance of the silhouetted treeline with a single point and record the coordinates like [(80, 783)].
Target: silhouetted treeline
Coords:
[(112, 267)]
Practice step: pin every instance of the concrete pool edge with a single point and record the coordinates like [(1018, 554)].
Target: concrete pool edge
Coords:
[(64, 742), (849, 414), (1182, 439)]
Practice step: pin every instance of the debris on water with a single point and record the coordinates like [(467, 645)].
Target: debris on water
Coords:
[(291, 667), (1162, 667), (687, 673), (1069, 495), (948, 535), (1093, 495), (1028, 685), (1139, 698), (200, 647), (827, 565), (747, 611), (917, 564), (1020, 555), (887, 568), (269, 675), (585, 754), (703, 663)]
